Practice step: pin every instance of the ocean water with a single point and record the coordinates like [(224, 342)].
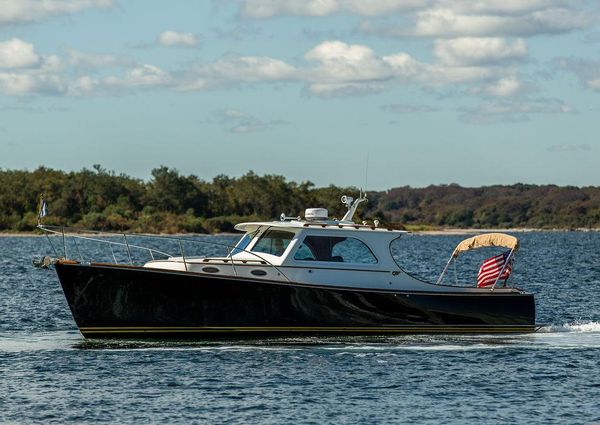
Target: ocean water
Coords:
[(50, 374)]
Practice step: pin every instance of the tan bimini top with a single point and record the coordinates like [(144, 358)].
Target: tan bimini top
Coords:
[(487, 239)]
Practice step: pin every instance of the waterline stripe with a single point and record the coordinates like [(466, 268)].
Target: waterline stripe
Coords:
[(248, 329)]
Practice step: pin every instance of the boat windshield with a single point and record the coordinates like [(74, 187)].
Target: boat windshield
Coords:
[(273, 242), (244, 242)]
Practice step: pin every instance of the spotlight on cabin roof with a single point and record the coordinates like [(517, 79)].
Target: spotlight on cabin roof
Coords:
[(311, 214)]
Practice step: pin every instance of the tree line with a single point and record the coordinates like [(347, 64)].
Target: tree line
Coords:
[(170, 202)]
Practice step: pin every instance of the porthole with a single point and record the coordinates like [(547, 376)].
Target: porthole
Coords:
[(210, 269)]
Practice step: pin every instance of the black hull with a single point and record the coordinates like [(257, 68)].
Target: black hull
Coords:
[(118, 301)]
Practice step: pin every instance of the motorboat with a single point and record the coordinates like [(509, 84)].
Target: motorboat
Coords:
[(295, 276)]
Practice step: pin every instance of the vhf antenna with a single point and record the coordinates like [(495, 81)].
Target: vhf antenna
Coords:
[(367, 172)]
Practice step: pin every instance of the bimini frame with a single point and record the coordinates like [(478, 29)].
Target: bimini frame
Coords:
[(481, 241)]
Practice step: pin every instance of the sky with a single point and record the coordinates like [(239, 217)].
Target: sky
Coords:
[(374, 94)]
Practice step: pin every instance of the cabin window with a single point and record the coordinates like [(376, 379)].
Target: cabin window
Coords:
[(334, 249), (273, 242)]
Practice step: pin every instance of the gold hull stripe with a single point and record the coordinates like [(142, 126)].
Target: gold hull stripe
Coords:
[(248, 329)]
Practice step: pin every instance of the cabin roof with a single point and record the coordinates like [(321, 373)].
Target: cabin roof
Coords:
[(328, 225)]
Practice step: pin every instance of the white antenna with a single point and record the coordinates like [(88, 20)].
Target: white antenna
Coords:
[(352, 204), (367, 173)]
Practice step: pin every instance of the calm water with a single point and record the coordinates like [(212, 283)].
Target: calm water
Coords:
[(49, 373)]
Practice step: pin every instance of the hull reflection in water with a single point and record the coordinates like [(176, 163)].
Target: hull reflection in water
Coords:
[(129, 301)]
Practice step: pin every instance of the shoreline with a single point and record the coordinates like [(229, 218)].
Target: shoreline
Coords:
[(436, 232), (454, 231)]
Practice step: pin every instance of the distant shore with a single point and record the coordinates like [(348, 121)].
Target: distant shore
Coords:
[(511, 230), (444, 231), (170, 202)]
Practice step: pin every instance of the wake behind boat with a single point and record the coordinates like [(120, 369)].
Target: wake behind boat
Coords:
[(293, 276)]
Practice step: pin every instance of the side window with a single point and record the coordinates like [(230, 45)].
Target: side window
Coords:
[(353, 251), (273, 242), (304, 253), (334, 249)]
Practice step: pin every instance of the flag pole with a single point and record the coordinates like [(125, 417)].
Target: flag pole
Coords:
[(506, 263)]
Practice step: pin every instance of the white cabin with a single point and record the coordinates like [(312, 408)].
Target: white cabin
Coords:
[(313, 251)]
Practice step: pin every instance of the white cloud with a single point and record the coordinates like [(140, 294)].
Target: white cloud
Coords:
[(24, 84), (252, 68), (340, 61), (450, 22), (345, 89), (23, 11), (513, 111), (16, 53), (439, 18), (148, 75), (331, 68), (245, 69), (50, 63), (138, 77), (83, 86), (261, 9), (86, 73), (94, 60), (181, 39), (500, 7), (240, 122), (270, 8), (344, 69), (353, 69), (409, 108), (439, 75), (478, 51), (25, 72), (245, 128), (141, 76), (594, 84), (380, 7), (404, 65), (235, 70), (446, 22), (503, 87), (586, 71), (234, 114)]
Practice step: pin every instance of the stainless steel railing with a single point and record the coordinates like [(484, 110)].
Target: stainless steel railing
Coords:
[(102, 238)]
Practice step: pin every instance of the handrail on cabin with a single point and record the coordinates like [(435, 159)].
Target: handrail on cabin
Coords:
[(345, 225)]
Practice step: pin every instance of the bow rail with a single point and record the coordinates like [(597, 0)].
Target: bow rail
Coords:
[(66, 234)]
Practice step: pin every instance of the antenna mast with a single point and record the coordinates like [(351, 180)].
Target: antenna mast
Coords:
[(348, 201)]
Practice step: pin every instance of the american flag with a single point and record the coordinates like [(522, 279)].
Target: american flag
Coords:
[(490, 269)]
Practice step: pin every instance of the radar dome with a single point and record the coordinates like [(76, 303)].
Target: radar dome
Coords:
[(315, 214)]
